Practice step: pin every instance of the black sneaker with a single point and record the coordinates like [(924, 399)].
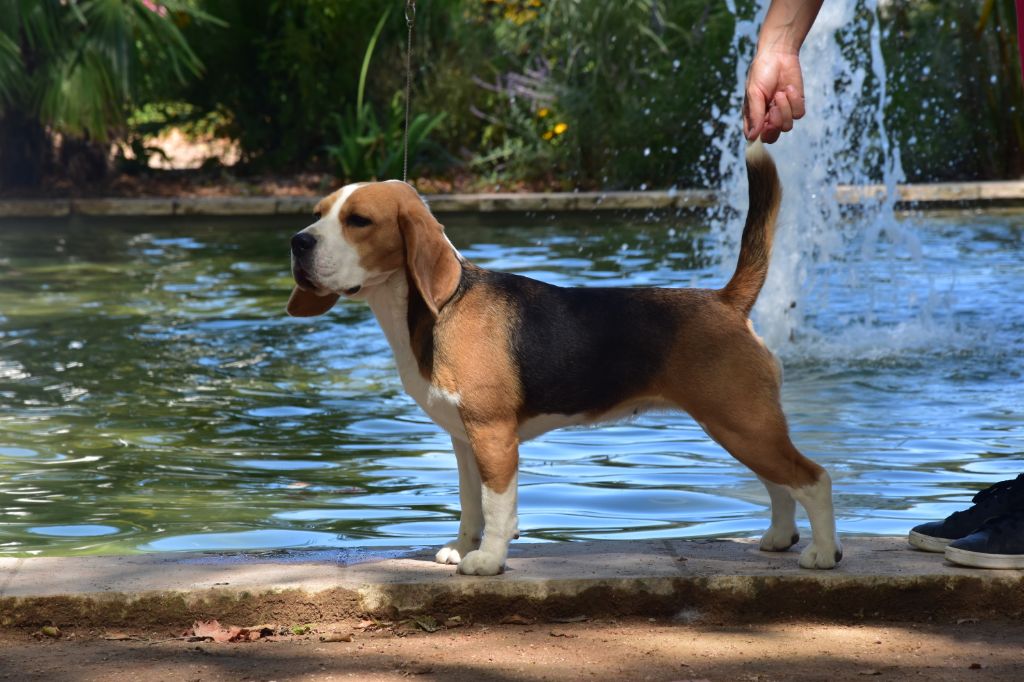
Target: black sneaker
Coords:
[(999, 498), (999, 543)]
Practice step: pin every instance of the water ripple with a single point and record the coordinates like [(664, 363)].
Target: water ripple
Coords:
[(153, 396)]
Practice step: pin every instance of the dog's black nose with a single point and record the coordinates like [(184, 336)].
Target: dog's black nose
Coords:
[(303, 243)]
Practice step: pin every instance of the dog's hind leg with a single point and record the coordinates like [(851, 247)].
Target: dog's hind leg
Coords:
[(764, 446), (734, 396), (471, 518), (782, 533), (741, 411), (825, 551)]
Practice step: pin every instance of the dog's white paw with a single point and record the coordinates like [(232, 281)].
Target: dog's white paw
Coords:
[(821, 555), (779, 539), (479, 562), (453, 552)]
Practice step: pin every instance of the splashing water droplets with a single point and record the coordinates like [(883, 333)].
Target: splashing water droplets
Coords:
[(806, 309)]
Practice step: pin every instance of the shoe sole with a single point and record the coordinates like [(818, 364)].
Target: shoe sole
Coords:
[(928, 543), (982, 560)]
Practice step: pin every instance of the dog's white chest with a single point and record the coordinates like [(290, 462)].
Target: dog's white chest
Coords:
[(440, 405)]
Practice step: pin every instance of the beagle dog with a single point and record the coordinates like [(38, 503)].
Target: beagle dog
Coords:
[(495, 358)]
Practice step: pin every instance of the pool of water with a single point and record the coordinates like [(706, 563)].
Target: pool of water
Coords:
[(154, 397)]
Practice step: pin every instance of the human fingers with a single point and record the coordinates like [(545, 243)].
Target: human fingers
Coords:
[(782, 112), (753, 113), (770, 133), (796, 101)]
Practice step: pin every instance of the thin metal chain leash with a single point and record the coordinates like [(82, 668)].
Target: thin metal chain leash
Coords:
[(410, 20)]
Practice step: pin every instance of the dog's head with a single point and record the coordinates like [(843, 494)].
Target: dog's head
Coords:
[(363, 234)]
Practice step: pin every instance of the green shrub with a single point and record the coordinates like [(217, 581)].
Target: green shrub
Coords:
[(368, 149), (78, 69), (957, 107), (282, 68), (634, 83)]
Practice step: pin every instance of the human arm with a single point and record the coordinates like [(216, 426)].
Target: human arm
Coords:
[(775, 90)]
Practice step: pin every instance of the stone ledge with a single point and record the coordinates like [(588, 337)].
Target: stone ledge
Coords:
[(225, 206), (1002, 193), (34, 208), (122, 207), (701, 579)]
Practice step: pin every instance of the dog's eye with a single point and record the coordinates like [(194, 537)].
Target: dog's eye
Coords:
[(356, 220), (316, 215)]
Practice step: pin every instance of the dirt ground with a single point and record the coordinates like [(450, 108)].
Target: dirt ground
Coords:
[(599, 650)]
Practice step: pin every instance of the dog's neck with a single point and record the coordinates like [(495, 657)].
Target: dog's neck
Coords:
[(406, 322), (389, 302)]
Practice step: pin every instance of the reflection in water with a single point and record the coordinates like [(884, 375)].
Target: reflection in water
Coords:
[(153, 396)]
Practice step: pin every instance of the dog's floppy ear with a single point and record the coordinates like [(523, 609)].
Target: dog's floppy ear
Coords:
[(304, 303), (429, 256)]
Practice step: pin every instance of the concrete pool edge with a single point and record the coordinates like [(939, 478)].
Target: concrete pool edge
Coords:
[(919, 196), (717, 580)]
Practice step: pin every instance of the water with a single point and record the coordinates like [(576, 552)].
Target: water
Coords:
[(154, 397), (841, 140)]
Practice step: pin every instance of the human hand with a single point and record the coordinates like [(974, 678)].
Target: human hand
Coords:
[(774, 96)]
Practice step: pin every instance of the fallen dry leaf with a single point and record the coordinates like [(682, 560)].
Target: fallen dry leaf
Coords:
[(516, 619), (213, 630), (570, 619), (426, 623)]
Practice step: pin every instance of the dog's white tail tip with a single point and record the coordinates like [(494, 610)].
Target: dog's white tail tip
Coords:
[(756, 150)]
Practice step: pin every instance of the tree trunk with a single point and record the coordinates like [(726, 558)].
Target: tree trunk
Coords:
[(26, 150), (84, 161)]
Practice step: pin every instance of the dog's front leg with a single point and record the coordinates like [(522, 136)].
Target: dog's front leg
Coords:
[(471, 519), (496, 449)]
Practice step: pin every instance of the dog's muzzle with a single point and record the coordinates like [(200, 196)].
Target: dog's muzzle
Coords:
[(303, 246)]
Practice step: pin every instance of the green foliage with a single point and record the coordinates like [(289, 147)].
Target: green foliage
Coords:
[(957, 104), (632, 82), (284, 67), (79, 66), (369, 150), (625, 94), (366, 148)]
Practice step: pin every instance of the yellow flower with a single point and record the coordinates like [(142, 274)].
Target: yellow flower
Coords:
[(544, 111), (561, 128), (548, 135)]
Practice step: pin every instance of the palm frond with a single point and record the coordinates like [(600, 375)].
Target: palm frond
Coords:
[(12, 75), (81, 96)]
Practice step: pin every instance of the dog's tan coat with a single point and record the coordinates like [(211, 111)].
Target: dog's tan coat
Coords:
[(715, 367)]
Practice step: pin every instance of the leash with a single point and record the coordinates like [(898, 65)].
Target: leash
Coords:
[(410, 21)]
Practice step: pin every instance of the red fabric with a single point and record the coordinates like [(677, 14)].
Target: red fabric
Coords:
[(1020, 33)]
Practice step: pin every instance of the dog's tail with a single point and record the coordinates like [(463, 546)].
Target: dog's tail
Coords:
[(756, 244)]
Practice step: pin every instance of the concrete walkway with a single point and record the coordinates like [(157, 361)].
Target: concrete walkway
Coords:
[(937, 195), (687, 580)]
